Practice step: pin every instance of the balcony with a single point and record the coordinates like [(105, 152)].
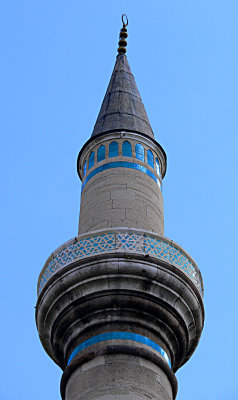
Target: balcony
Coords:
[(120, 240)]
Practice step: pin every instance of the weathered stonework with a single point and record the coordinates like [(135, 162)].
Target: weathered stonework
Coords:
[(117, 200), (112, 376)]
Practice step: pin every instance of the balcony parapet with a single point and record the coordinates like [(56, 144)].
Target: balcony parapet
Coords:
[(111, 241)]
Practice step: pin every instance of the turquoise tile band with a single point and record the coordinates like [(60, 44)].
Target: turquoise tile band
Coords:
[(108, 241), (121, 164), (122, 336)]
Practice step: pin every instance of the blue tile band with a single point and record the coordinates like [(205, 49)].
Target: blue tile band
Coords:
[(121, 164), (122, 336)]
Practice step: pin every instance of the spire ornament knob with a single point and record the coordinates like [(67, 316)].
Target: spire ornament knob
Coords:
[(123, 35)]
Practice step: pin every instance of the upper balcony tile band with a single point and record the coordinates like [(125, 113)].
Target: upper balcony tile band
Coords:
[(122, 164), (117, 241)]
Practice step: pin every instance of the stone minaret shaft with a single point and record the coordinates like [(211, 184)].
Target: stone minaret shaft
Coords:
[(120, 306)]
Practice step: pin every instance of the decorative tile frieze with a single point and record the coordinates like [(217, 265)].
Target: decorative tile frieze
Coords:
[(101, 242)]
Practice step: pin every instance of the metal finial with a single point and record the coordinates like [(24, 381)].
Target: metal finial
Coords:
[(124, 18), (123, 35)]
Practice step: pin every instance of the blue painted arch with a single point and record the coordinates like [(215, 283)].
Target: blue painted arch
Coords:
[(140, 152), (91, 160), (113, 149), (126, 149), (101, 153), (150, 158)]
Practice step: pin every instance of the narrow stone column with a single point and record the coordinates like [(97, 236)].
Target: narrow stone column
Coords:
[(120, 377)]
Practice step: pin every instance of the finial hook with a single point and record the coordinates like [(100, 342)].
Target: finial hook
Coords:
[(123, 35), (124, 20)]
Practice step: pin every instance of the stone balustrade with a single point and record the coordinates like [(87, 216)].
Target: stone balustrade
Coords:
[(120, 240)]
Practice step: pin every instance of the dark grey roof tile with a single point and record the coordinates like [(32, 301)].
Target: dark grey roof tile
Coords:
[(122, 107)]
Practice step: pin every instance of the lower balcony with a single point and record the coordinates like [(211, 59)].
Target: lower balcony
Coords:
[(111, 241)]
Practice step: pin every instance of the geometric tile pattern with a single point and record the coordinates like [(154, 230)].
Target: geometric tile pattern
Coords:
[(117, 241)]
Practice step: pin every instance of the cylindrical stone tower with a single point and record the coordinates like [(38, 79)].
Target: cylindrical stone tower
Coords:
[(120, 306)]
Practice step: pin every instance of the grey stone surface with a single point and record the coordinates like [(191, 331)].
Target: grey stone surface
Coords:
[(125, 292), (118, 377), (122, 107), (117, 197)]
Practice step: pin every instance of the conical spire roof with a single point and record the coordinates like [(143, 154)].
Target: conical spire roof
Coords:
[(122, 107)]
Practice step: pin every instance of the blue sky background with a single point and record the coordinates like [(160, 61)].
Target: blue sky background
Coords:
[(56, 61)]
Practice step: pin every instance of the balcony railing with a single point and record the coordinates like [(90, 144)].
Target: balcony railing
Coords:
[(117, 241)]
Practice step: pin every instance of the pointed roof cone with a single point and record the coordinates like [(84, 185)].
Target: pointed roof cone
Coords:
[(122, 107)]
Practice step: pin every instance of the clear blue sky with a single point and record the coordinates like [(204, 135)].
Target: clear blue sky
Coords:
[(56, 61)]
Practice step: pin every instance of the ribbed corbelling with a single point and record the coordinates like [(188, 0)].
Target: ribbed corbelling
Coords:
[(125, 293)]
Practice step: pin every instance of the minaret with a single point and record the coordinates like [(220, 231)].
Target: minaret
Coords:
[(120, 305)]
